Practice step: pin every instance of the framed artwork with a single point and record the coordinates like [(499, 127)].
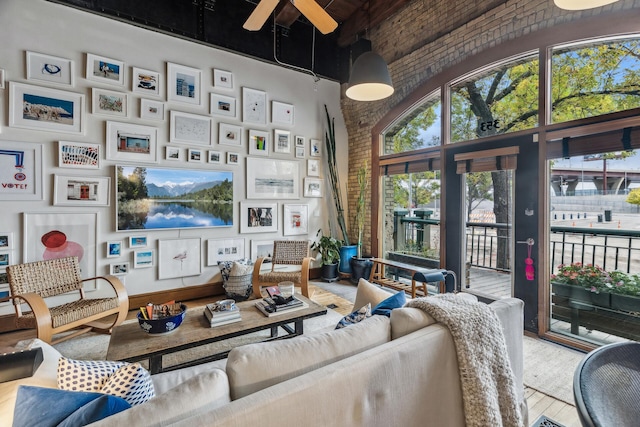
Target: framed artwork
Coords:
[(233, 158), (143, 258), (312, 187), (229, 134), (189, 128), (20, 170), (313, 167), (119, 269), (172, 153), (222, 79), (49, 69), (145, 82), (151, 110), (131, 143), (6, 240), (181, 210), (281, 141), (272, 179), (299, 141), (179, 258), (300, 153), (59, 234), (6, 259), (315, 149), (214, 156), (261, 248), (195, 155), (105, 70), (281, 113), (41, 108), (81, 155), (258, 142), (183, 84), (81, 190), (108, 102), (295, 220), (221, 105), (224, 250), (258, 217), (138, 241), (114, 248), (254, 106)]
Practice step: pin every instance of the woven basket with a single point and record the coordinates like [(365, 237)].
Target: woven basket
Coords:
[(238, 287)]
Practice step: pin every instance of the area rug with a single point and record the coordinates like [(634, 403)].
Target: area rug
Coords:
[(546, 422)]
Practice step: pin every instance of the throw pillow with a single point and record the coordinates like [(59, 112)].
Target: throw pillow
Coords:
[(367, 292), (396, 300), (355, 317), (132, 383), (226, 266)]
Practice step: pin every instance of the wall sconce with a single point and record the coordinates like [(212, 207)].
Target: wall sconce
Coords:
[(370, 79), (581, 4)]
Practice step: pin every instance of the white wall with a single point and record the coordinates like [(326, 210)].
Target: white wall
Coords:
[(47, 28)]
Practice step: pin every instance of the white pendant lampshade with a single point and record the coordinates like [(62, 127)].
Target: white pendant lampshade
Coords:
[(370, 79), (581, 4)]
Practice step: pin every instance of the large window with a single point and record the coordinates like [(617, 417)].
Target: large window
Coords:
[(420, 128)]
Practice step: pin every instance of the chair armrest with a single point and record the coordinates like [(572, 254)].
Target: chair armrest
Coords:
[(306, 263), (37, 305), (255, 279), (118, 288)]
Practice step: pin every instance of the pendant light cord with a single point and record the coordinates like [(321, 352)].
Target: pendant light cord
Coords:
[(295, 67)]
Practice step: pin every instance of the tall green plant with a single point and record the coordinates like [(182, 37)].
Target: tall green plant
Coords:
[(361, 211), (334, 178)]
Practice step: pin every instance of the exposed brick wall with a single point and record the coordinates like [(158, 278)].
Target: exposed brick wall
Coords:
[(427, 37)]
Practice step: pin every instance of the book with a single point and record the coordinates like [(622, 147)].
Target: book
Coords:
[(262, 307), (215, 321), (216, 311)]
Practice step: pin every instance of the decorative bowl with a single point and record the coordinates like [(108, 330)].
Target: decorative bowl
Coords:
[(163, 325)]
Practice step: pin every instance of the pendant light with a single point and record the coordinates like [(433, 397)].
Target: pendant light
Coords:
[(370, 79), (581, 4)]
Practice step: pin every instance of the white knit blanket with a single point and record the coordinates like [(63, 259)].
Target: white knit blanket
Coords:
[(488, 388)]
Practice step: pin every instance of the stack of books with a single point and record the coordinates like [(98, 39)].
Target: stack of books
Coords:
[(269, 308), (218, 317)]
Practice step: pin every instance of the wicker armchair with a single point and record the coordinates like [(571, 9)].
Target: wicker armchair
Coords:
[(31, 283), (285, 253)]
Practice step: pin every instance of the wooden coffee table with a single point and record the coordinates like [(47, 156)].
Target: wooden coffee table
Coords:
[(130, 343)]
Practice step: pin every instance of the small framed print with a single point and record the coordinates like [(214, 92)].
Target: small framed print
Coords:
[(145, 82), (6, 258), (138, 241), (296, 218), (313, 167), (143, 258), (221, 105), (151, 110), (6, 240), (258, 142), (179, 258), (299, 141), (223, 79), (173, 153), (131, 143), (81, 190), (281, 113), (315, 148), (105, 70), (119, 269), (20, 171), (224, 250), (114, 249), (229, 134), (300, 152), (195, 155), (281, 141), (190, 128), (108, 102), (213, 156), (50, 69), (258, 217), (233, 158), (312, 187), (80, 155), (183, 83), (254, 106)]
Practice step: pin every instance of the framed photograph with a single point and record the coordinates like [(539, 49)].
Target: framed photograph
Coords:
[(195, 155), (299, 141), (181, 210), (41, 108), (272, 179), (143, 258), (295, 220), (312, 187), (222, 79), (138, 241), (179, 258), (6, 258), (151, 110), (81, 190), (50, 69), (258, 142), (229, 134), (224, 250), (254, 106), (261, 248), (145, 82), (119, 269), (313, 167), (6, 240), (281, 141), (59, 234), (214, 156), (20, 170), (81, 155), (172, 153), (105, 70), (315, 149), (114, 248), (1, 78), (300, 153), (189, 128), (281, 113), (131, 143), (258, 217), (108, 102), (233, 158), (183, 83), (221, 105)]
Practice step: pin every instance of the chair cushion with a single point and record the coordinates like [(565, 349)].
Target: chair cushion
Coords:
[(281, 276), (72, 311)]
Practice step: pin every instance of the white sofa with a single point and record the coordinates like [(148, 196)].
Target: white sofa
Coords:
[(398, 371)]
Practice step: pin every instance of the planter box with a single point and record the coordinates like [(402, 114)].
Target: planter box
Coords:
[(625, 303), (576, 293)]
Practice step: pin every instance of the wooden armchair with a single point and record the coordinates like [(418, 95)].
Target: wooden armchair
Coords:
[(285, 253), (32, 282)]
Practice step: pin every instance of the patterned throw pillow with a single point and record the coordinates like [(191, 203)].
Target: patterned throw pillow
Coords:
[(132, 383), (355, 317), (226, 266), (236, 278)]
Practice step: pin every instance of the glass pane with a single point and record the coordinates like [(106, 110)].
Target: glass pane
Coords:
[(418, 129), (501, 100), (593, 79)]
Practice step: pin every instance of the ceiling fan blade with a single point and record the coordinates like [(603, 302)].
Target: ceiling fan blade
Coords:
[(260, 15), (316, 14)]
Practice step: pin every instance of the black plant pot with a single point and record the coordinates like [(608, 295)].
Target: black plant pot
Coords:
[(360, 268), (329, 272)]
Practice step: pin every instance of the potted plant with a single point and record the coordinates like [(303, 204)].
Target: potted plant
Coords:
[(361, 266), (329, 249)]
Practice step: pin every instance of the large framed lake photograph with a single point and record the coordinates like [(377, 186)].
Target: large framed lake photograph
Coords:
[(272, 179), (150, 198)]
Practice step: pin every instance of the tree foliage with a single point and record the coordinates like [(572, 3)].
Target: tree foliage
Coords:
[(634, 197)]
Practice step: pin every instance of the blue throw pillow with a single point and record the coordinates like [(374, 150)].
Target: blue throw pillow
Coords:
[(35, 407), (394, 301)]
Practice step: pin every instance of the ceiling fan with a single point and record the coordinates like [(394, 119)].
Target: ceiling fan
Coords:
[(309, 8)]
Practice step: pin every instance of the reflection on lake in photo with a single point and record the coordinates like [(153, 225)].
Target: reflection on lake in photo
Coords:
[(154, 214)]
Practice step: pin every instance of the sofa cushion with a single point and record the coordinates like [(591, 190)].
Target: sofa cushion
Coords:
[(257, 366), (369, 293), (355, 317), (385, 307)]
